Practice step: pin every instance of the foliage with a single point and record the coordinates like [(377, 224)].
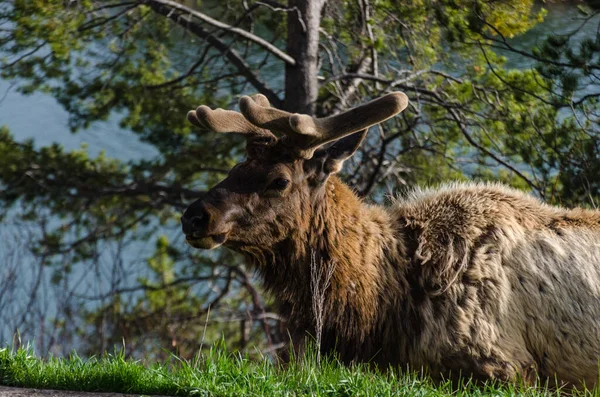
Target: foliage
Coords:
[(147, 62)]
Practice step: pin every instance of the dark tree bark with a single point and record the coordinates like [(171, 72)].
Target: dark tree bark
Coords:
[(301, 85)]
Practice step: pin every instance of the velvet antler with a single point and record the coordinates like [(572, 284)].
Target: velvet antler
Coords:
[(306, 133), (302, 133)]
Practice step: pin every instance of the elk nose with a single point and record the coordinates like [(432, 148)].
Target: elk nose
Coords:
[(194, 223)]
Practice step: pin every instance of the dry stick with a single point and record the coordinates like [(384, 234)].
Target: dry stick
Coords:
[(202, 340), (320, 280)]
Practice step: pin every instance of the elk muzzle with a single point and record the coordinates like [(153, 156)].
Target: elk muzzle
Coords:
[(205, 224)]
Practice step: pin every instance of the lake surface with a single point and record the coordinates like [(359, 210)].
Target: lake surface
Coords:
[(50, 125)]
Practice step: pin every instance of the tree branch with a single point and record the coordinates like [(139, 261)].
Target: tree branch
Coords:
[(185, 75), (352, 86), (147, 287), (223, 26), (366, 76), (163, 8), (95, 22)]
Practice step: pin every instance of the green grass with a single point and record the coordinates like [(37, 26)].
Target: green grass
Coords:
[(221, 374)]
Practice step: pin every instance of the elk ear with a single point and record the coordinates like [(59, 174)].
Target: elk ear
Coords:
[(342, 150)]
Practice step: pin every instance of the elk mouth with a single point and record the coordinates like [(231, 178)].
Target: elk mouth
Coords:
[(207, 242)]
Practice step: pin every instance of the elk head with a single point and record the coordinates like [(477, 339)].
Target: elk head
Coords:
[(271, 193)]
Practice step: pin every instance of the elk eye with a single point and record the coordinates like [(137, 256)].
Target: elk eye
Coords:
[(279, 184)]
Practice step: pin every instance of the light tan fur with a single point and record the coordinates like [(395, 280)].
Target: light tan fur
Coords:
[(475, 279)]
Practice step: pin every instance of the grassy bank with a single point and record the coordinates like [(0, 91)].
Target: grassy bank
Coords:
[(220, 374)]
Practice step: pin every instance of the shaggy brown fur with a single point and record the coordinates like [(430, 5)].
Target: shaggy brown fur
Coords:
[(467, 278)]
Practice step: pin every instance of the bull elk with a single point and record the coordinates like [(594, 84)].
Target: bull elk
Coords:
[(477, 279)]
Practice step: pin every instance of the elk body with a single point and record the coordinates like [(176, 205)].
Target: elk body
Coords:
[(475, 279)]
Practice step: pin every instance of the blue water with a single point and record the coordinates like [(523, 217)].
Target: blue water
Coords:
[(40, 117)]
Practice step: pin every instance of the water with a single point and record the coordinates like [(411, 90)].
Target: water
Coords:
[(40, 117), (561, 19)]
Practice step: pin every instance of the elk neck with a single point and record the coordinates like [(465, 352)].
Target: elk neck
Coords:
[(357, 244)]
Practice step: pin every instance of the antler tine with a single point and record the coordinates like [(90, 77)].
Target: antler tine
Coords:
[(220, 120), (265, 117), (359, 118), (261, 100)]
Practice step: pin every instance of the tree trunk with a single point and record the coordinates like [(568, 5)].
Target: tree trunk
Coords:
[(301, 85)]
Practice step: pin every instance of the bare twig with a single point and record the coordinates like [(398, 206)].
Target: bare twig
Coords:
[(320, 280)]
